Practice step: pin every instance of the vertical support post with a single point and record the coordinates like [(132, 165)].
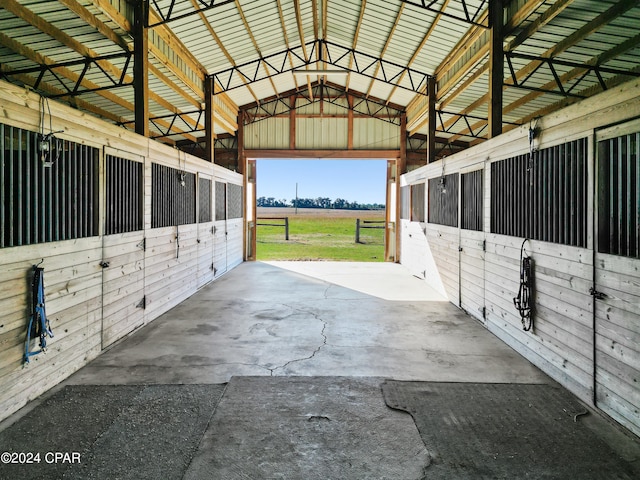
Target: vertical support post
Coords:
[(496, 67), (292, 123), (209, 119), (390, 213), (250, 213), (286, 228), (402, 161), (357, 230), (350, 123), (431, 125), (241, 162), (141, 66)]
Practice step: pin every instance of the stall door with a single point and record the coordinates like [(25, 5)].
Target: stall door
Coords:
[(617, 275), (123, 247), (472, 244), (220, 232), (205, 230)]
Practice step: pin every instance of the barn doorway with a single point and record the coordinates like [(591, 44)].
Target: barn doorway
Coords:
[(319, 209)]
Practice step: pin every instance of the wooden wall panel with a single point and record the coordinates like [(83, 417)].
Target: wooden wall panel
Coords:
[(567, 319), (80, 294)]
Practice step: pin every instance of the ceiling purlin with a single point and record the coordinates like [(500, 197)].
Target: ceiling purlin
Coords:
[(470, 16), (580, 34), (296, 6), (417, 51), (218, 41), (285, 35), (386, 45), (167, 14), (90, 19), (354, 44), (53, 92), (552, 12), (255, 45)]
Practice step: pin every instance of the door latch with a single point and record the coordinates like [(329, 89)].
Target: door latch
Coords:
[(104, 264), (596, 294)]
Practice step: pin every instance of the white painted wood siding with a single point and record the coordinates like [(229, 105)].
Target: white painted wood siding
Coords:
[(80, 294)]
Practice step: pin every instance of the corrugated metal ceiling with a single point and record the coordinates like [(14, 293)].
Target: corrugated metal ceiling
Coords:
[(387, 36)]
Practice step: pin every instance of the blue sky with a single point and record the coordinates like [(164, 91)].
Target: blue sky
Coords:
[(361, 181)]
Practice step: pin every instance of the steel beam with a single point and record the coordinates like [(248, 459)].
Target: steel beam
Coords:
[(496, 67), (359, 103), (470, 14), (141, 67), (564, 88), (345, 58), (74, 87), (168, 15)]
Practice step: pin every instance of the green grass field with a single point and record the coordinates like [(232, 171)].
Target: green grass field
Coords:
[(322, 235)]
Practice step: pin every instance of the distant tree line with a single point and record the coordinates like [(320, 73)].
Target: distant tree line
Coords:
[(320, 202)]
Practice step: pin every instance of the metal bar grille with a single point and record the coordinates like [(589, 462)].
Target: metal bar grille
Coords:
[(405, 202), (124, 184), (173, 196), (235, 203), (41, 203), (443, 200), (543, 197), (221, 201), (417, 202), (472, 200), (204, 200), (619, 196)]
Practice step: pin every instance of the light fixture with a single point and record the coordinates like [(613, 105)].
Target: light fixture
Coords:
[(341, 73)]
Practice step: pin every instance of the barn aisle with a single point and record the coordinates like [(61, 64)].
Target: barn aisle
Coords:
[(275, 373)]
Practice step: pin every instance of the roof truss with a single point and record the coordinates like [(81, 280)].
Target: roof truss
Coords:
[(345, 58)]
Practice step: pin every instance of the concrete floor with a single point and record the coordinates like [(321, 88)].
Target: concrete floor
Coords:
[(317, 319), (269, 319)]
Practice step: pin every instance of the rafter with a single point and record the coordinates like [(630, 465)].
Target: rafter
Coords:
[(90, 19), (285, 35), (174, 123), (354, 44), (613, 12), (168, 15), (331, 93), (255, 44), (307, 58), (583, 32), (521, 15), (470, 14), (337, 55), (170, 39), (65, 71), (417, 51), (552, 12), (387, 43), (215, 37)]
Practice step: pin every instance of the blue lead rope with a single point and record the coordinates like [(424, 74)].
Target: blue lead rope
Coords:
[(38, 322)]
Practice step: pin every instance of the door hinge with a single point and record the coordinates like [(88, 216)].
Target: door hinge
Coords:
[(143, 244), (213, 268), (142, 303), (484, 245), (596, 294), (483, 310), (459, 248), (104, 264)]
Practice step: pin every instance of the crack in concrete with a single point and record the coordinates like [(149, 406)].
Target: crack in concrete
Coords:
[(313, 354)]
